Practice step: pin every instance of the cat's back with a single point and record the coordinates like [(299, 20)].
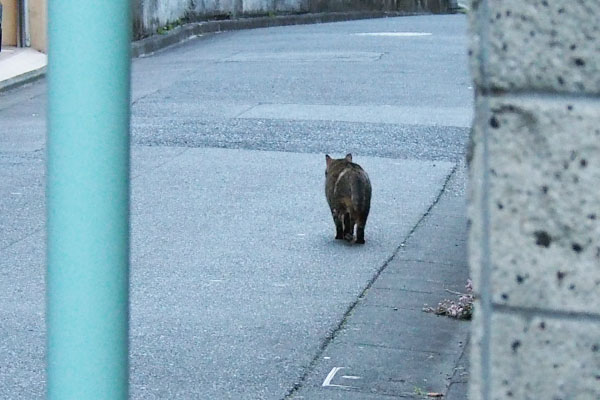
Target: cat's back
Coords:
[(347, 178)]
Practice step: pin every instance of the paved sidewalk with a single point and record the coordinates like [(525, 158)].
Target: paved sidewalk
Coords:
[(365, 355), (20, 65)]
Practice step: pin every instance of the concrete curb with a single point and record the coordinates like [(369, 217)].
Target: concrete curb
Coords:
[(19, 80), (179, 34)]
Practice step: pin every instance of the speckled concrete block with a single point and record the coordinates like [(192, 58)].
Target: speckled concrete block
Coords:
[(523, 369), (475, 353), (538, 357), (475, 192), (534, 205), (541, 44), (544, 202)]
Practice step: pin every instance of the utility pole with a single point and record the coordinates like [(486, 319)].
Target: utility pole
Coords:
[(87, 199)]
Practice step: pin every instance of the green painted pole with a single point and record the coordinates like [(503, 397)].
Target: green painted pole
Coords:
[(87, 199)]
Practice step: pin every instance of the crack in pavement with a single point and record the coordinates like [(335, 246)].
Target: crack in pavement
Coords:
[(333, 334)]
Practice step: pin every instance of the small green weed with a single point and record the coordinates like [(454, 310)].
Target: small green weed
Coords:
[(168, 27)]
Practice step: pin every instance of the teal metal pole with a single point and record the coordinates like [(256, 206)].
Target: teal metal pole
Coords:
[(87, 199)]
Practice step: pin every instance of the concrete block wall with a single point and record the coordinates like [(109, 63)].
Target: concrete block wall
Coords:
[(534, 204), (412, 6), (149, 15)]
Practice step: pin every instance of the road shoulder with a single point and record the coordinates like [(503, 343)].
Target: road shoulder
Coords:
[(387, 347)]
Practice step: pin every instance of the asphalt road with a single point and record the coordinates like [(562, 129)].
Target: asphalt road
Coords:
[(315, 88), (237, 285)]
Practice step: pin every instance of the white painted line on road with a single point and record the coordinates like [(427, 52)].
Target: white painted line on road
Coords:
[(351, 377), (394, 34), (331, 375)]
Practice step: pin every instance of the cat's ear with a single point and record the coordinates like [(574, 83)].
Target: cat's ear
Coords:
[(328, 159), (349, 157)]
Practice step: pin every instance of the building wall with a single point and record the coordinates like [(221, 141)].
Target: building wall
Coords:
[(9, 22), (38, 22), (535, 199)]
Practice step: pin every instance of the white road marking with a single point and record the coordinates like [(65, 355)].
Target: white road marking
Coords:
[(331, 375), (394, 34), (351, 377)]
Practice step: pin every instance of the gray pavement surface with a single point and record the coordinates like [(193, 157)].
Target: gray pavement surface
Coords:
[(387, 346), (238, 289)]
